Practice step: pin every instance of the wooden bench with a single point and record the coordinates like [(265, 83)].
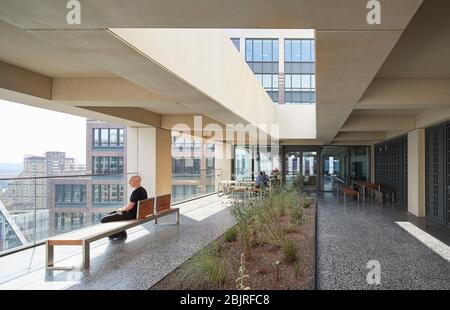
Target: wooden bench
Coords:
[(347, 190), (147, 211)]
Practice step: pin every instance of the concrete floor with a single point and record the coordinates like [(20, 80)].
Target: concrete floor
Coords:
[(349, 237), (148, 254)]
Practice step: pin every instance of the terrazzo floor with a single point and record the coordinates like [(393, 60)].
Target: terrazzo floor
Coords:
[(413, 252), (148, 254)]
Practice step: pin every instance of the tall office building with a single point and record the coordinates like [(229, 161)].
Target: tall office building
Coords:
[(76, 202), (282, 60)]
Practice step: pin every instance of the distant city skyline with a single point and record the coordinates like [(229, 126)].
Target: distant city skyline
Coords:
[(27, 130)]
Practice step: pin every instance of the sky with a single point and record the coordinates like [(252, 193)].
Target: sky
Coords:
[(29, 130)]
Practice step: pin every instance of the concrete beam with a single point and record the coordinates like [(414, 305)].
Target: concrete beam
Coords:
[(130, 113), (406, 94), (432, 117), (20, 80), (361, 136), (379, 123)]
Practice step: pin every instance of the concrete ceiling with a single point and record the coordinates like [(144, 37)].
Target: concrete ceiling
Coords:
[(412, 88), (21, 48), (370, 78), (423, 51), (334, 15)]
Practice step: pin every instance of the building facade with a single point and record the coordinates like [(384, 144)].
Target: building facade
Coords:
[(81, 201), (283, 61)]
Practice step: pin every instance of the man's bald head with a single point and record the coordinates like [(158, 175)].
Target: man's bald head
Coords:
[(135, 181)]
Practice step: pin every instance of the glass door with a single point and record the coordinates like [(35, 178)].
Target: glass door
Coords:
[(301, 163), (292, 166), (309, 171), (334, 172)]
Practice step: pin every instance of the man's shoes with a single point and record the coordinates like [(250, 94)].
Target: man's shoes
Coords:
[(119, 236)]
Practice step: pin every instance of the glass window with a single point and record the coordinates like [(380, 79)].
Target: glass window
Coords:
[(267, 81), (306, 82), (275, 50), (306, 50), (96, 137), (296, 81), (67, 193), (257, 50), (313, 56), (96, 193), (287, 50), (267, 50), (114, 165), (104, 137), (59, 193), (120, 137), (313, 82), (76, 193), (275, 81), (296, 50), (287, 81), (113, 138), (249, 50), (104, 193)]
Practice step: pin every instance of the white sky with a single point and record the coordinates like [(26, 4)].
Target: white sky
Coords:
[(29, 130)]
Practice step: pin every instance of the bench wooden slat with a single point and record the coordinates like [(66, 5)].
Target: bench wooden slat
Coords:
[(349, 191), (84, 236), (162, 203), (90, 233)]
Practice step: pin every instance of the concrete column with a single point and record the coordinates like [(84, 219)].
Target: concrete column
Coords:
[(223, 156), (416, 172), (149, 153)]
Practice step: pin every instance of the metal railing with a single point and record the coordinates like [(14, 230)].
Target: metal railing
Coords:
[(34, 208)]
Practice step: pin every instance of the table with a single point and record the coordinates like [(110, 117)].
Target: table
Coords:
[(373, 186)]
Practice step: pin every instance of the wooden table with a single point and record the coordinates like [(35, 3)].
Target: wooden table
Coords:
[(373, 186)]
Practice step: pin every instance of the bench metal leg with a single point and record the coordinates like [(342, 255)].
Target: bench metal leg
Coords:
[(156, 220), (178, 218), (86, 255), (49, 255)]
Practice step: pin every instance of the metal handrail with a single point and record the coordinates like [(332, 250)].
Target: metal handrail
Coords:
[(67, 175)]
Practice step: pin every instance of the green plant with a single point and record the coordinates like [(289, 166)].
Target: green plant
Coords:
[(289, 249), (297, 183), (240, 281), (231, 235), (297, 216), (206, 269), (306, 201)]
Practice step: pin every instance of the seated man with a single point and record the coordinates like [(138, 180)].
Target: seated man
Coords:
[(128, 212)]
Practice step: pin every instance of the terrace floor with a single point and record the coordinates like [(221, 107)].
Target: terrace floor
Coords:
[(148, 254), (413, 252)]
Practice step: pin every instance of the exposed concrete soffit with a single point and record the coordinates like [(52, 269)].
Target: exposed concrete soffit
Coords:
[(286, 14), (392, 93)]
